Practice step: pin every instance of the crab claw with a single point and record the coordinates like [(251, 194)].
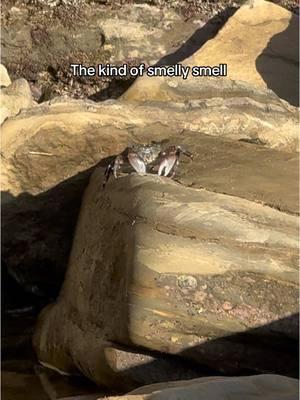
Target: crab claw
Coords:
[(167, 163), (169, 160), (136, 162)]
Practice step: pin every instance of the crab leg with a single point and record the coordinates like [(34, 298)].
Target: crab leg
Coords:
[(107, 173), (175, 168), (112, 168), (185, 152), (117, 165)]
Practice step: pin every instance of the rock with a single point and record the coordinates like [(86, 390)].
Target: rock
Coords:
[(4, 77), (47, 161), (138, 366), (259, 387), (14, 98), (4, 113), (142, 31), (133, 33), (259, 44), (134, 241)]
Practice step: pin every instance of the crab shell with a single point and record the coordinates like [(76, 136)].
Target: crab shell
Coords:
[(147, 152)]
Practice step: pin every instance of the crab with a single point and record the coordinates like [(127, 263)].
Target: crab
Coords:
[(142, 155)]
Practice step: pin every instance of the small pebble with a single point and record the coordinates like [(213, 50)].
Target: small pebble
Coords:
[(227, 306), (187, 282)]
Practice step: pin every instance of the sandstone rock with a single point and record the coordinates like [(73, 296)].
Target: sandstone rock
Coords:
[(4, 113), (260, 387), (47, 160), (259, 44), (14, 98), (135, 241), (225, 95), (4, 77)]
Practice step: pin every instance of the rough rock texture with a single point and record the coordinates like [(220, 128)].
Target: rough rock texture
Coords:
[(260, 45), (4, 77), (47, 159), (227, 96), (262, 387), (15, 97), (131, 259), (135, 31), (42, 51)]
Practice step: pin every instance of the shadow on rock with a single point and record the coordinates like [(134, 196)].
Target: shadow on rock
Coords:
[(278, 64), (37, 234), (118, 87), (255, 351), (199, 38)]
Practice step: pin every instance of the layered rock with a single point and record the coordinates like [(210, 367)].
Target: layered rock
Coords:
[(166, 280), (177, 270), (260, 46), (47, 159)]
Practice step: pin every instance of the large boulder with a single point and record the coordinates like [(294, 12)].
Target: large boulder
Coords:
[(259, 44), (260, 387), (209, 277), (47, 160)]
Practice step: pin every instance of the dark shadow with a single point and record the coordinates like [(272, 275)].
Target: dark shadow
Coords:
[(199, 38), (31, 250), (114, 90), (118, 87), (33, 258), (37, 233), (278, 64), (255, 351)]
